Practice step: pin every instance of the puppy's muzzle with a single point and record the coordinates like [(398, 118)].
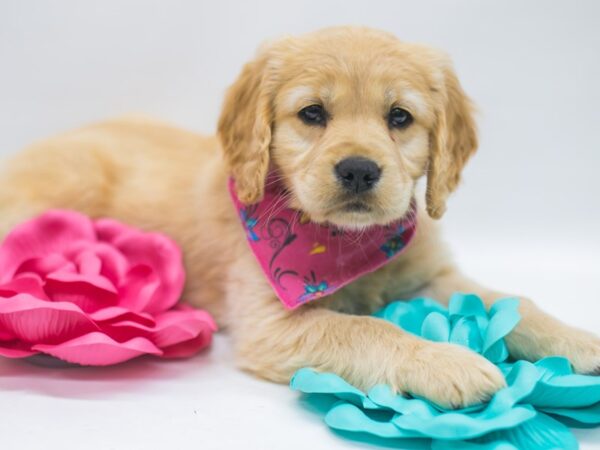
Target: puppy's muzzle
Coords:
[(357, 174)]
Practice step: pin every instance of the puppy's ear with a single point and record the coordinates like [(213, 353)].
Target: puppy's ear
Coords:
[(452, 141), (245, 129)]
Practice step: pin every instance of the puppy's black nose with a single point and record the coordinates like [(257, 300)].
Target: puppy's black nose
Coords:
[(357, 174)]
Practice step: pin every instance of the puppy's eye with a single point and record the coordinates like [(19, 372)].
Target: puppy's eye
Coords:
[(399, 118), (313, 115)]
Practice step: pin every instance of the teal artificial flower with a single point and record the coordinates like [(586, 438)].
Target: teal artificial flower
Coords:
[(532, 412)]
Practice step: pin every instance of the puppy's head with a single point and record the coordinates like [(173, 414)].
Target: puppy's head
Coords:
[(350, 118)]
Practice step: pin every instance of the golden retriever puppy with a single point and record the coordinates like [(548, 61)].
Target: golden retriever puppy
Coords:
[(304, 105)]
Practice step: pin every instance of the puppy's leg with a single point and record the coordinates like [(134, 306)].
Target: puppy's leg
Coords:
[(538, 334), (273, 343)]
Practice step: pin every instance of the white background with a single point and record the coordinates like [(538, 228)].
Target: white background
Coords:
[(525, 220)]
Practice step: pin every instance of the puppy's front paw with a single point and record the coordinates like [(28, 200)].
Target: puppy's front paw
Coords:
[(451, 376), (579, 347)]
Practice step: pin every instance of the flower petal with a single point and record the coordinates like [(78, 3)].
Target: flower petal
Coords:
[(114, 314), (349, 417), (422, 418), (6, 336), (466, 305), (97, 281), (466, 332), (114, 266), (310, 381), (44, 265), (98, 349), (383, 396), (182, 333), (504, 318), (140, 285), (176, 326), (153, 250), (553, 366), (563, 389), (513, 419), (462, 426), (124, 330), (24, 284), (410, 315), (576, 417), (33, 320), (189, 348), (472, 445), (90, 293), (88, 263), (178, 333), (48, 233), (436, 327), (541, 432), (16, 349)]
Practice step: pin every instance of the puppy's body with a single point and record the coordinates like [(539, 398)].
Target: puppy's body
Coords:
[(162, 178), (141, 172), (157, 177)]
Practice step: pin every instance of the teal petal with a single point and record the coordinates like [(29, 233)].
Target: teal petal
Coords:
[(452, 425), (540, 433), (504, 304), (466, 332), (577, 417), (526, 415), (311, 382), (347, 417), (466, 305), (553, 366), (497, 352), (436, 327), (464, 445), (504, 317), (383, 396), (422, 417), (410, 315), (521, 380), (561, 388)]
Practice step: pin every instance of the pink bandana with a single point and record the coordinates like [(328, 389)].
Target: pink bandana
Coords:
[(304, 261)]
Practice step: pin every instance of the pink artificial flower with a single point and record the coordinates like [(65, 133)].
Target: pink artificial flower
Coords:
[(94, 293)]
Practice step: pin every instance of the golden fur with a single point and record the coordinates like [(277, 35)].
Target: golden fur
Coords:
[(158, 177)]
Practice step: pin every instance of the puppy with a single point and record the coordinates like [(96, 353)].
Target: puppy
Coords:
[(304, 105)]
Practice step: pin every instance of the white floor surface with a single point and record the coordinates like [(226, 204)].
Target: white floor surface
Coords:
[(205, 403)]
